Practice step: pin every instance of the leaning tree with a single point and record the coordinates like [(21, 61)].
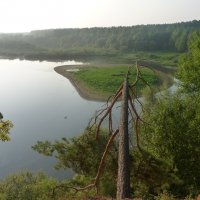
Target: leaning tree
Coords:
[(126, 94), (119, 135)]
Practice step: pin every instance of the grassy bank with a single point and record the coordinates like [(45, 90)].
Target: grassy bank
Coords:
[(163, 58), (99, 82), (108, 79)]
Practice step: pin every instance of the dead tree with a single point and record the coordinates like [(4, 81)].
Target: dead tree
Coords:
[(127, 107), (123, 177), (128, 110)]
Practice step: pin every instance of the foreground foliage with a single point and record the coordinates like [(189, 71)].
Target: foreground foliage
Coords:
[(189, 66), (149, 175), (5, 126), (83, 155), (173, 135), (26, 186)]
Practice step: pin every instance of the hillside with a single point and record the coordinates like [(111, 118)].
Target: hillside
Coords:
[(90, 42)]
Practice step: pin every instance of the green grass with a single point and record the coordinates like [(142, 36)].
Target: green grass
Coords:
[(108, 79), (163, 58)]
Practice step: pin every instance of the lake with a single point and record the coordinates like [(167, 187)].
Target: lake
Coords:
[(42, 105)]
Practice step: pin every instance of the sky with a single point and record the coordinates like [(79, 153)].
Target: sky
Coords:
[(26, 15)]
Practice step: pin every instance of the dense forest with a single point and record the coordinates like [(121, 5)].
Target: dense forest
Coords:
[(66, 43)]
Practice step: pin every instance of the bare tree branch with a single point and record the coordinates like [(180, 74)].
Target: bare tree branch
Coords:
[(96, 180), (107, 112), (105, 153)]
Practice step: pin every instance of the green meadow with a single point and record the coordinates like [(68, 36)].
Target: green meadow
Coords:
[(108, 79)]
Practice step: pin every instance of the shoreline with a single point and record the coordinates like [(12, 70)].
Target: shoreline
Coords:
[(83, 90), (90, 94)]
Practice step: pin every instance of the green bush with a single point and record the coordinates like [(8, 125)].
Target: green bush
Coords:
[(26, 186)]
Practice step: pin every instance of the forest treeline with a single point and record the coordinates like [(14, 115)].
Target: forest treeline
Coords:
[(66, 43)]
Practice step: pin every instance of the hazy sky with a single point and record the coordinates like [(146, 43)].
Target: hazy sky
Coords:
[(27, 15)]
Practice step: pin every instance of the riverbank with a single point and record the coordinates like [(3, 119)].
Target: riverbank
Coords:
[(88, 92), (82, 88)]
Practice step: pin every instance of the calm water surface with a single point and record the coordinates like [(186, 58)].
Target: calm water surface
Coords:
[(42, 105)]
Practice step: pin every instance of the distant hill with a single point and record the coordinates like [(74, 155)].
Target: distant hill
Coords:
[(98, 41)]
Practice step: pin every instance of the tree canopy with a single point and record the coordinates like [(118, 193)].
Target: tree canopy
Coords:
[(173, 135), (65, 43), (189, 67), (5, 127), (172, 131)]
